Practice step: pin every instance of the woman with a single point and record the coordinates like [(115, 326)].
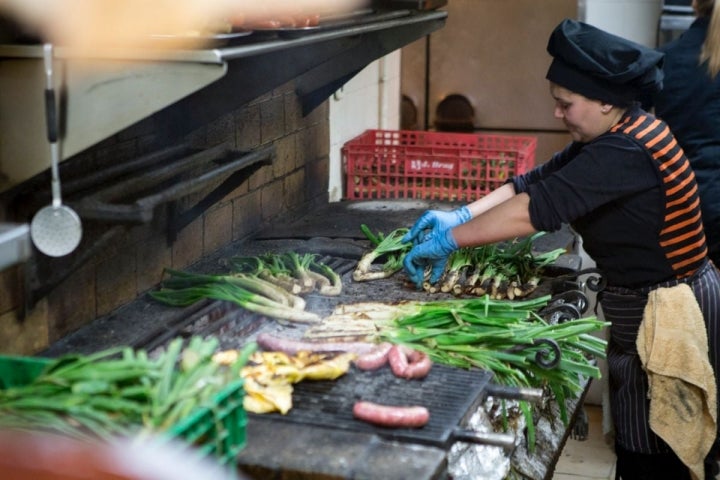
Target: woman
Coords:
[(690, 103), (626, 187)]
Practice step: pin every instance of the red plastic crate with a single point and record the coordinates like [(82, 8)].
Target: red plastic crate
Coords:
[(432, 165)]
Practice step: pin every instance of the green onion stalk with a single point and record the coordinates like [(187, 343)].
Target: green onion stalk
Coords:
[(251, 293), (503, 337), (389, 247), (119, 391)]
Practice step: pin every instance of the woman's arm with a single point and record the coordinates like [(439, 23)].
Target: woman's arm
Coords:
[(496, 197), (500, 219)]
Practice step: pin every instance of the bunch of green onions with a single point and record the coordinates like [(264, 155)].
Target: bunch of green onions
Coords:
[(119, 391), (502, 271), (297, 273), (504, 337), (270, 284)]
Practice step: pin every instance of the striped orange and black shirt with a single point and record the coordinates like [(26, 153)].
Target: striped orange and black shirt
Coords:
[(631, 194)]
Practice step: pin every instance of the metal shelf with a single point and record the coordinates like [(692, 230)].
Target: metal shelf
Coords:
[(102, 96)]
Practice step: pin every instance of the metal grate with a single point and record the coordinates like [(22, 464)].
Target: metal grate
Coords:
[(449, 394)]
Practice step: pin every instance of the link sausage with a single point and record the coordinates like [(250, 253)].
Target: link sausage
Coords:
[(391, 416), (292, 346), (408, 363), (374, 359)]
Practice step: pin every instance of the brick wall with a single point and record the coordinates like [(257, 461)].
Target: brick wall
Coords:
[(133, 261)]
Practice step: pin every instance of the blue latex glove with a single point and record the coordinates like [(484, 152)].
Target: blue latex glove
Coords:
[(434, 252), (436, 221)]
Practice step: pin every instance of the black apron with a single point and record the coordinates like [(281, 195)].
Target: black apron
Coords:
[(628, 383)]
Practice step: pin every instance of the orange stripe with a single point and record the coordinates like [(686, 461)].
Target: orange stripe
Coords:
[(682, 199), (648, 129), (682, 212), (635, 125), (620, 125), (681, 238), (676, 226), (684, 183), (689, 261), (662, 152), (672, 161), (687, 249), (660, 136), (672, 176)]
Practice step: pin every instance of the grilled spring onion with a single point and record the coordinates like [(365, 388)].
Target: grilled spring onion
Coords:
[(269, 267), (390, 247), (332, 284), (294, 272), (184, 288), (458, 263), (499, 270)]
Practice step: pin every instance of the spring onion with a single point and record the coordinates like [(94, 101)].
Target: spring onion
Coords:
[(118, 391), (183, 289), (388, 247)]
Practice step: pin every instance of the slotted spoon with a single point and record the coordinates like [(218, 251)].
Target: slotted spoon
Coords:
[(56, 230)]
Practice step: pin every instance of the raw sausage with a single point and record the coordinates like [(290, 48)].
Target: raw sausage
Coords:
[(293, 346), (391, 416), (375, 358), (408, 363)]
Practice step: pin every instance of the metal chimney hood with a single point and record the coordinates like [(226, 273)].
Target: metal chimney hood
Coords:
[(102, 96)]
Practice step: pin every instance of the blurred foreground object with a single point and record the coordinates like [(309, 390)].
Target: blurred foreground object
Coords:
[(94, 26), (25, 456)]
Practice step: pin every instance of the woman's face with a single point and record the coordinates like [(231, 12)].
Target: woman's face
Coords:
[(584, 118)]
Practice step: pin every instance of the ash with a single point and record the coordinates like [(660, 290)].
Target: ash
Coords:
[(484, 462), (472, 462)]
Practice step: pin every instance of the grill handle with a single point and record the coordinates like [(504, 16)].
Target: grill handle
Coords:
[(507, 442), (534, 395)]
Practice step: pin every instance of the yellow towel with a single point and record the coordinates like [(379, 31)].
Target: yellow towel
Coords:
[(673, 347)]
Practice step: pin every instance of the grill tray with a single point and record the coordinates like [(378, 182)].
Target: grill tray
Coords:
[(450, 394)]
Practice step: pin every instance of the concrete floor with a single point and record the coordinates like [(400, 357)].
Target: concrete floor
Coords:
[(589, 459)]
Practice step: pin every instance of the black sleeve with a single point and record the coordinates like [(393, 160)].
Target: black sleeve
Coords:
[(602, 172), (558, 160)]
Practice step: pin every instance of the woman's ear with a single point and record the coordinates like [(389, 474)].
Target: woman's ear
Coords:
[(605, 108)]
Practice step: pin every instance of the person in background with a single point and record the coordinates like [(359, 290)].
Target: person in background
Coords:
[(627, 189), (690, 104)]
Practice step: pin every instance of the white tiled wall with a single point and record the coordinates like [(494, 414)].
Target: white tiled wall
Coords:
[(636, 20), (370, 100)]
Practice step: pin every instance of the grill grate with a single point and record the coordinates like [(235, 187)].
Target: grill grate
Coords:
[(449, 394)]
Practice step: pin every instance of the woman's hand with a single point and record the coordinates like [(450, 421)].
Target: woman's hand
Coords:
[(433, 252), (437, 222)]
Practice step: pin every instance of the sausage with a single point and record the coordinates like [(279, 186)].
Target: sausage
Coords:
[(419, 365), (414, 416), (375, 358), (408, 363), (292, 346)]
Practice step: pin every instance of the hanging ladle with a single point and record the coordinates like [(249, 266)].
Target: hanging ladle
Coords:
[(55, 230)]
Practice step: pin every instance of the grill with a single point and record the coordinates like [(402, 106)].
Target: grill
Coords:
[(448, 393), (322, 410)]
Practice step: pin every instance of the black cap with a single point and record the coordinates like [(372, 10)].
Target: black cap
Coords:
[(602, 66)]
